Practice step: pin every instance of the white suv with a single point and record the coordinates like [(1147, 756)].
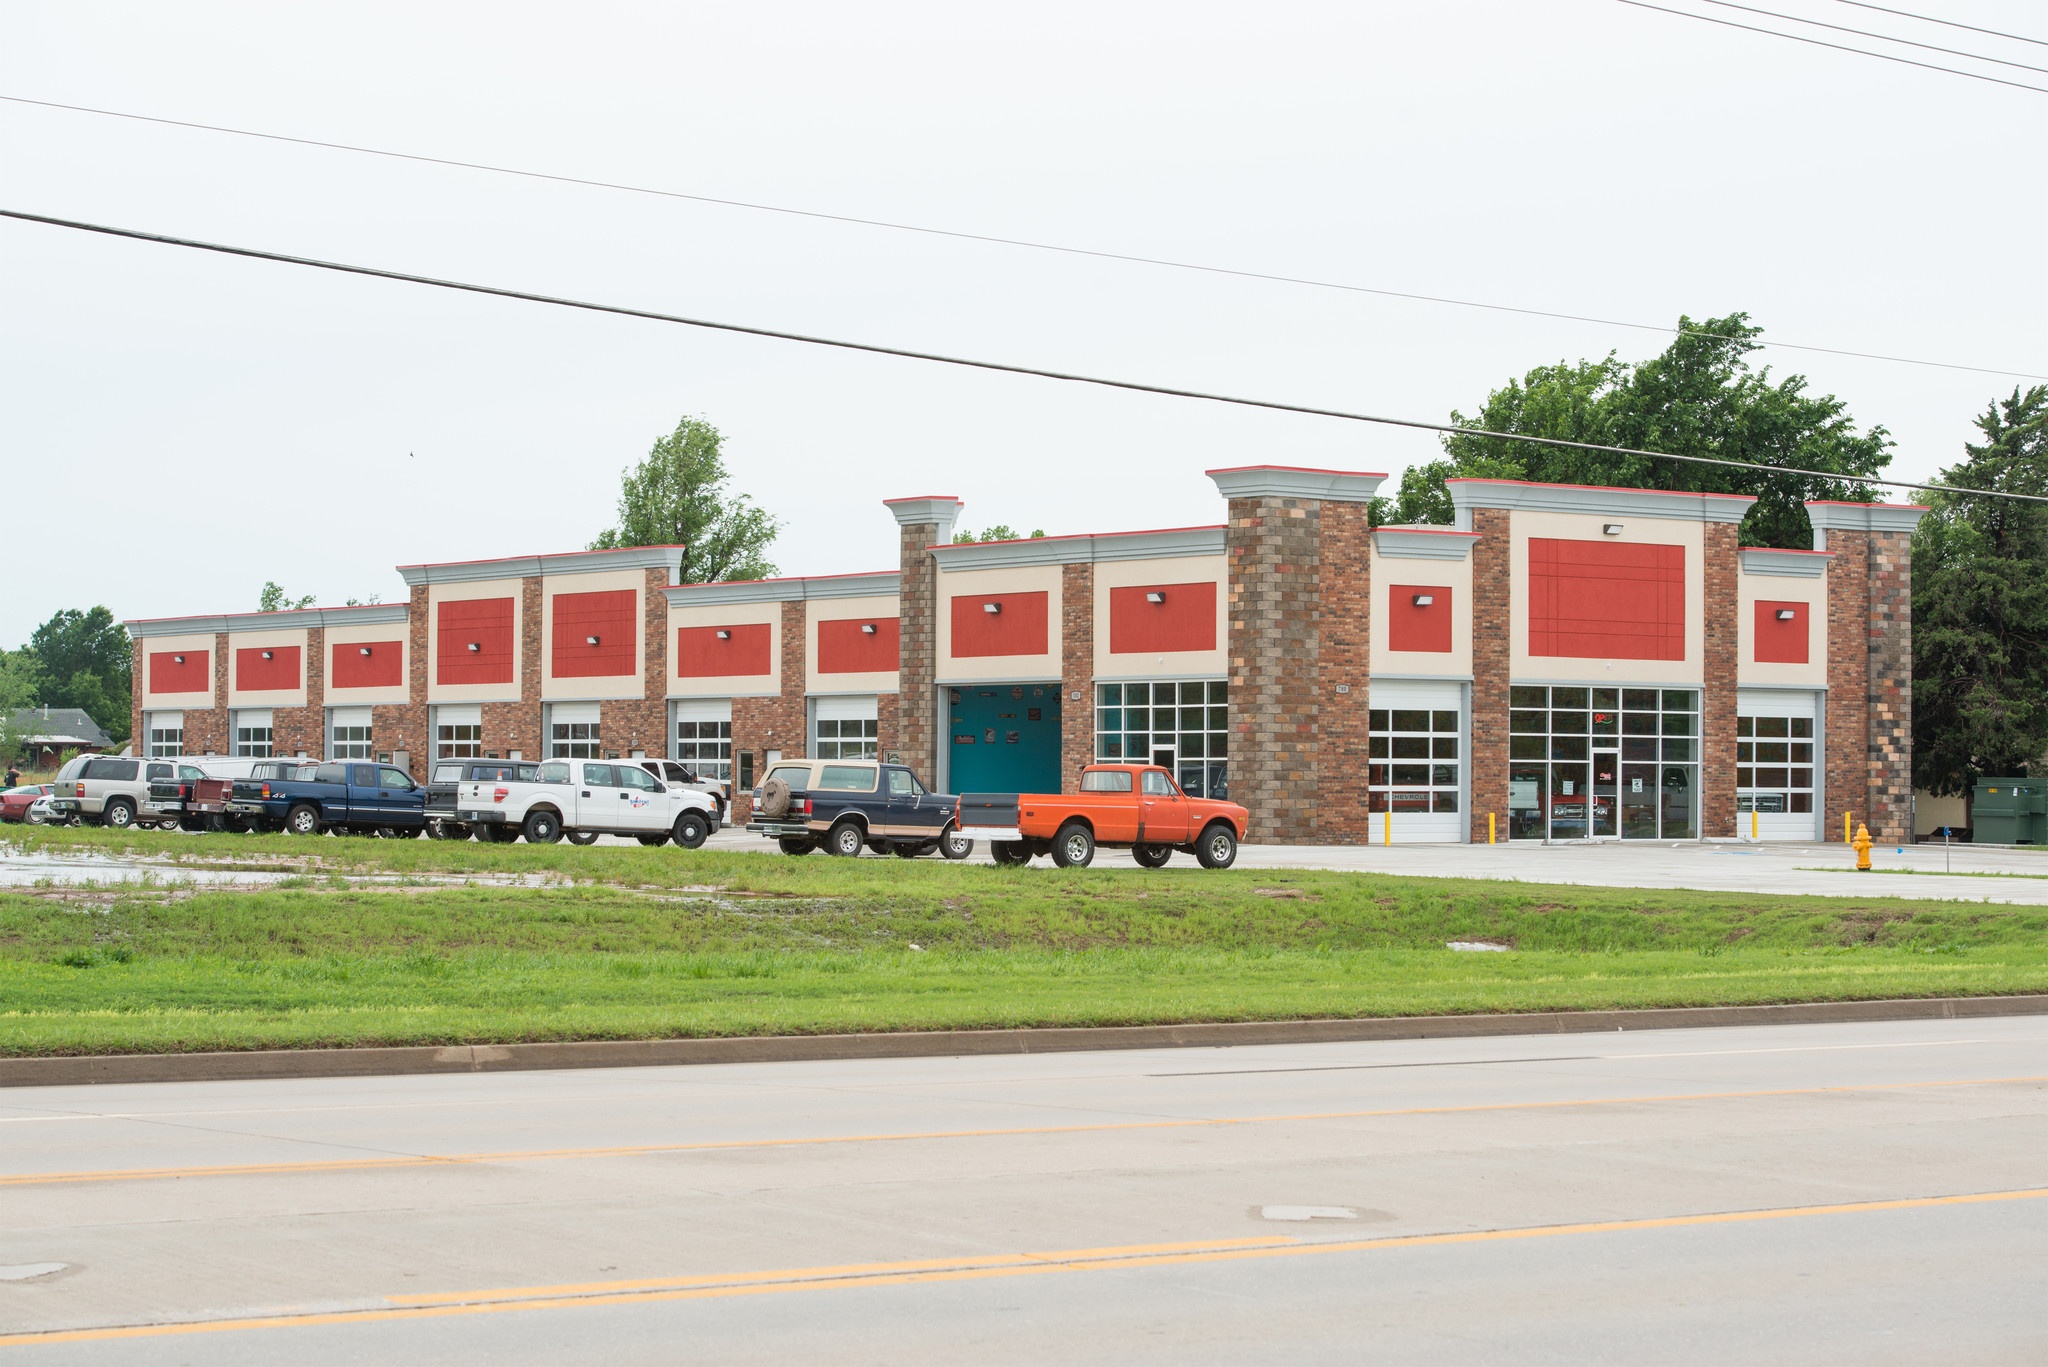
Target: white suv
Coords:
[(585, 799), (112, 790)]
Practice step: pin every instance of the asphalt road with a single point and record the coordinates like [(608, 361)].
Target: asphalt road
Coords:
[(1871, 1193)]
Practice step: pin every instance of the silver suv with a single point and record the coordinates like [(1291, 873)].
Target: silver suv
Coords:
[(111, 790)]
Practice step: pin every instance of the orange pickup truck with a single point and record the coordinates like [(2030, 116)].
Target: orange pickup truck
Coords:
[(1120, 806)]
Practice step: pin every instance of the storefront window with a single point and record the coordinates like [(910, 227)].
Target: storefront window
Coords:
[(1589, 763), (1183, 725)]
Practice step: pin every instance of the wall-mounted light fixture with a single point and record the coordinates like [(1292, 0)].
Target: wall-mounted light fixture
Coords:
[(474, 646), (1786, 614), (1611, 529), (1423, 600), (724, 635), (177, 659), (590, 640), (867, 628), (991, 607), (364, 651), (1155, 597), (266, 654)]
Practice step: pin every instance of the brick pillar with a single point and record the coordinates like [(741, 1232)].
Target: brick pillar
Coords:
[(1717, 702), (221, 679), (1889, 685), (1848, 704), (1488, 753), (1274, 545), (1343, 658), (312, 737), (1077, 670), (409, 722), (922, 523), (138, 679)]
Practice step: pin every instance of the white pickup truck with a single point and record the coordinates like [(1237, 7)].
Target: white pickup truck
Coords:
[(584, 799)]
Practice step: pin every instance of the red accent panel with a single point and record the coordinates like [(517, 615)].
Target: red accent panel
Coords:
[(1599, 600), (843, 648), (1782, 643), (1413, 628), (254, 674), (609, 616), (166, 675), (1185, 621), (1019, 629), (748, 652), (383, 667), (487, 622)]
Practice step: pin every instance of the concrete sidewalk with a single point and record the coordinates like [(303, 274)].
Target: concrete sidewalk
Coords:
[(1777, 867)]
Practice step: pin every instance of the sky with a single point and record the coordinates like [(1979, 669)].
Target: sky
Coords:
[(176, 428)]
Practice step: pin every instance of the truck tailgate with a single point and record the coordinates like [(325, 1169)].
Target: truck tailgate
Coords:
[(989, 816)]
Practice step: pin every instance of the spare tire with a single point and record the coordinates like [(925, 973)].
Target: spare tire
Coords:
[(774, 798)]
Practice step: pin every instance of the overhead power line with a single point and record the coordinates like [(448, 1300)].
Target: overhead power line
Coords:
[(1950, 23), (1838, 47), (1004, 367), (992, 240), (1880, 37)]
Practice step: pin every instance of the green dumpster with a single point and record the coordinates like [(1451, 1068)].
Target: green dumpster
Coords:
[(2009, 811)]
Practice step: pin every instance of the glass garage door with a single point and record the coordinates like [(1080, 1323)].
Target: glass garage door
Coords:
[(1417, 761), (1776, 763)]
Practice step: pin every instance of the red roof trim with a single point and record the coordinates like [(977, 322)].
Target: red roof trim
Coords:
[(1902, 507), (551, 555), (1298, 469), (1602, 488), (1076, 536), (924, 498), (782, 579)]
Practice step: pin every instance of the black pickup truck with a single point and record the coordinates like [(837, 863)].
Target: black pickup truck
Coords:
[(446, 780), (379, 798)]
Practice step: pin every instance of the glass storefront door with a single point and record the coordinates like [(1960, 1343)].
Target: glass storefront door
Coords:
[(1568, 801), (1638, 802), (1599, 763)]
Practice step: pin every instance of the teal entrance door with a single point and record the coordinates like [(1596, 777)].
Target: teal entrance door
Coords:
[(1005, 738)]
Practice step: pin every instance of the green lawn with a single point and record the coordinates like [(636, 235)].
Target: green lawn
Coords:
[(631, 943)]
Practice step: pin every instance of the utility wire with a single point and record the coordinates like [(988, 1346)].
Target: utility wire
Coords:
[(1010, 241), (1866, 33), (1930, 19), (1004, 367), (1818, 42)]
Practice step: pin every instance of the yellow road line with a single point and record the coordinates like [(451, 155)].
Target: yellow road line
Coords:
[(637, 1150), (999, 1265)]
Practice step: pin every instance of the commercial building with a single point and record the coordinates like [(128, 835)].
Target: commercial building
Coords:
[(1562, 663)]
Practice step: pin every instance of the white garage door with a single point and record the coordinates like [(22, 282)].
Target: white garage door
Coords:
[(844, 727), (348, 735), (1418, 760), (701, 737), (573, 731), (1777, 763)]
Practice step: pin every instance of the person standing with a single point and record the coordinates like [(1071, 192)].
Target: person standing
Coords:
[(13, 774)]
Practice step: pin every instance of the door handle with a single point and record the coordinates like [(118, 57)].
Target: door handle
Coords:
[(586, 792)]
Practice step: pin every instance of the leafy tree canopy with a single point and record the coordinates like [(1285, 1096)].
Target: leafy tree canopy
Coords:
[(274, 599), (1002, 531), (1980, 608), (676, 497), (84, 662), (1699, 398)]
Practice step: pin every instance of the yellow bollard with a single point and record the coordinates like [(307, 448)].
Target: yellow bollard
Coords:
[(1752, 825), (1489, 828), (1845, 830), (1390, 821), (1863, 849)]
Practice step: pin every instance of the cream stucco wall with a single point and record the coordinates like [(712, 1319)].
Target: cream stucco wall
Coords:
[(352, 636), (1388, 570), (1636, 530), (178, 645), (266, 640), (1811, 592), (729, 615), (837, 610), (979, 583), (1192, 569), (437, 594), (595, 685)]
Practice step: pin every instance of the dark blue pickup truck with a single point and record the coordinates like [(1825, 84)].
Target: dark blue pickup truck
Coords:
[(342, 797)]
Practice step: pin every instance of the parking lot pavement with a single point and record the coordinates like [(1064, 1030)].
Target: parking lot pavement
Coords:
[(1781, 867)]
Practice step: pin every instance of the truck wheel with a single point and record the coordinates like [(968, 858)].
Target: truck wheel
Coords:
[(794, 844), (120, 814), (1010, 851), (954, 845), (1152, 856), (302, 820), (845, 840), (1074, 846), (543, 828), (1217, 849), (690, 830), (586, 837)]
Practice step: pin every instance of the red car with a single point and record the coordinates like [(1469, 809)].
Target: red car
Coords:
[(14, 802)]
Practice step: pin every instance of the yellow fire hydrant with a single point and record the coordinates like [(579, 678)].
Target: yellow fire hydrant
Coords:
[(1862, 843)]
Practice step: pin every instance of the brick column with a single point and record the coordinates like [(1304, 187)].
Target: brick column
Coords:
[(1077, 670), (221, 679), (408, 723), (1717, 702), (1889, 755), (138, 680), (922, 523), (1274, 546), (1487, 760), (1848, 703), (1343, 658)]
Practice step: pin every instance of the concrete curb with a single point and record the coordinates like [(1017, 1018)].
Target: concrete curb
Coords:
[(496, 1058)]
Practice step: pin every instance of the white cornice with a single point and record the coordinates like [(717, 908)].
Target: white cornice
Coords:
[(1785, 564), (1861, 517), (1467, 494), (294, 620), (1080, 550), (937, 510), (881, 584), (532, 566), (1290, 481), (1423, 543)]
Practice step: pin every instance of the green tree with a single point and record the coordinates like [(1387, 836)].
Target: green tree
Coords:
[(21, 683), (1002, 531), (1698, 398), (1980, 608), (273, 599), (676, 497), (85, 660)]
